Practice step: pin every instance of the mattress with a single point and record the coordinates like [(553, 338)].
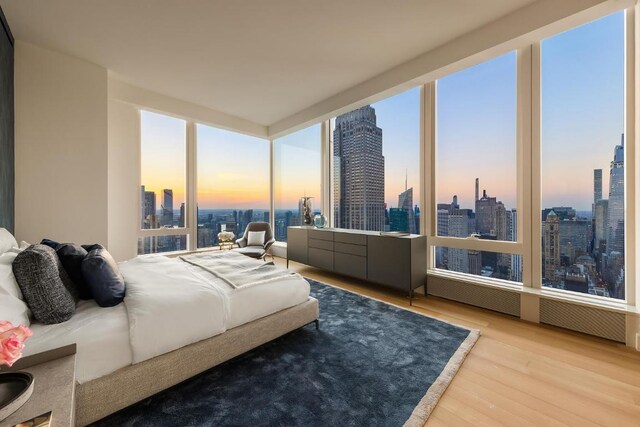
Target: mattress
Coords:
[(247, 304), (101, 335)]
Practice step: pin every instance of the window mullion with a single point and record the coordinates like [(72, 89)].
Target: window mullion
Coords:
[(192, 178)]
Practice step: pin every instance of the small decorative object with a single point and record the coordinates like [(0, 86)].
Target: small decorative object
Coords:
[(305, 211), (225, 239), (15, 387), (320, 220)]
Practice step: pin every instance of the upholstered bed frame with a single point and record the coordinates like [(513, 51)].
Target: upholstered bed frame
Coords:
[(103, 396)]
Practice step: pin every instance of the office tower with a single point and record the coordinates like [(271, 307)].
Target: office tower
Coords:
[(398, 220), (181, 220), (574, 238), (615, 228), (562, 212), (551, 254), (357, 151), (461, 224), (405, 203), (416, 218), (167, 208), (600, 224), (149, 214), (475, 262), (597, 185), (502, 232), (477, 189), (265, 216), (486, 214)]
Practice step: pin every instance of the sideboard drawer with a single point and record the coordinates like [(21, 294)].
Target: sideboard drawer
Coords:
[(352, 238), (347, 248), (321, 258), (320, 234), (351, 265), (321, 244)]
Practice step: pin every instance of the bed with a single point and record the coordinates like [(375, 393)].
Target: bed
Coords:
[(181, 316)]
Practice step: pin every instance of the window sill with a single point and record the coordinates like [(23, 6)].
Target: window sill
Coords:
[(552, 294)]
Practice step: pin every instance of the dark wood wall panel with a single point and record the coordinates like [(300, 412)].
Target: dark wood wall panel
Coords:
[(7, 165)]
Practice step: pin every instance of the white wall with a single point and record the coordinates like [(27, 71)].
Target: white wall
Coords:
[(61, 147), (123, 179)]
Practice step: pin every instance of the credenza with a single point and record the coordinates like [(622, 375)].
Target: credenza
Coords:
[(396, 261)]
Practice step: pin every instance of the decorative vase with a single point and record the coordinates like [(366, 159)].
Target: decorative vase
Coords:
[(15, 389), (305, 211), (320, 221)]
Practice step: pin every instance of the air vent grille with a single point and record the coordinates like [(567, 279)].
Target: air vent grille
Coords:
[(589, 320), (494, 299)]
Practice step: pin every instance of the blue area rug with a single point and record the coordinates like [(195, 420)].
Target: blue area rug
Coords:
[(370, 364)]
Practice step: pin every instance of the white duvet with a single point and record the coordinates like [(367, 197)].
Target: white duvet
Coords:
[(171, 303), (168, 304)]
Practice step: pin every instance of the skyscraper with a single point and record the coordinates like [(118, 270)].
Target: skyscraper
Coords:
[(615, 228), (477, 189), (551, 253), (485, 214), (359, 163), (167, 207), (405, 203), (597, 185), (149, 210)]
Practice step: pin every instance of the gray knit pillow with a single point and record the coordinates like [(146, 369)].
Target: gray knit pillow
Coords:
[(38, 272)]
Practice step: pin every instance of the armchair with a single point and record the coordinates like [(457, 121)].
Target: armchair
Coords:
[(258, 252)]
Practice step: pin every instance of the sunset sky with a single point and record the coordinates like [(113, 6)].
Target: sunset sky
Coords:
[(582, 119)]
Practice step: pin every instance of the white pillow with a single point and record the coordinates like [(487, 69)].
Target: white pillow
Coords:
[(7, 241), (12, 307), (255, 238)]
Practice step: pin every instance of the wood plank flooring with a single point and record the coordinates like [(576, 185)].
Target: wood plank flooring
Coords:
[(520, 373)]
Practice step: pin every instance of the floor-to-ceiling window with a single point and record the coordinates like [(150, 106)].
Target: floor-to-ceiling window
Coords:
[(583, 160), (476, 176), (376, 165), (296, 175), (232, 182), (163, 183)]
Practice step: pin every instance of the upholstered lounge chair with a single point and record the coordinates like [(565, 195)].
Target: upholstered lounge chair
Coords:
[(258, 252)]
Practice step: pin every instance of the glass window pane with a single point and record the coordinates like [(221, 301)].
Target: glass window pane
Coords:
[(163, 171), (297, 174), (376, 165), (480, 263), (233, 182), (583, 159), (158, 244), (476, 150)]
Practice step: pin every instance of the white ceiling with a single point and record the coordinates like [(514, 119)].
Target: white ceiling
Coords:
[(261, 60)]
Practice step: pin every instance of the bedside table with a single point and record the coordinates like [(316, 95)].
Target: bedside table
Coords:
[(54, 380)]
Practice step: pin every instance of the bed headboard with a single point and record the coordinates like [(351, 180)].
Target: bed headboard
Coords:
[(7, 171)]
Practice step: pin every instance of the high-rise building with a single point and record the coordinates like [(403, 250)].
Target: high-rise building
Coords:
[(181, 220), (359, 163), (398, 219), (461, 224), (477, 189), (615, 217), (597, 185), (574, 238), (600, 224), (149, 210), (515, 273), (405, 203), (486, 214), (551, 253), (167, 208)]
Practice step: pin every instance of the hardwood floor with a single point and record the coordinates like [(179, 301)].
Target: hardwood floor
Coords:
[(520, 373)]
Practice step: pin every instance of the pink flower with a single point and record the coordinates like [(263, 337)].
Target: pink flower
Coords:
[(12, 340)]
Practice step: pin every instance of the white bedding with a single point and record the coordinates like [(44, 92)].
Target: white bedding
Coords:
[(168, 304), (101, 335)]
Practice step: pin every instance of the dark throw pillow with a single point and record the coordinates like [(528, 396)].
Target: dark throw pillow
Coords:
[(103, 277), (89, 248), (51, 243), (71, 256), (38, 272)]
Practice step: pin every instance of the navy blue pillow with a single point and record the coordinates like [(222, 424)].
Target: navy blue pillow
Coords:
[(103, 278), (71, 256), (51, 243)]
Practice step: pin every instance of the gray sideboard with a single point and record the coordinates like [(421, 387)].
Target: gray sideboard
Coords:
[(398, 262)]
